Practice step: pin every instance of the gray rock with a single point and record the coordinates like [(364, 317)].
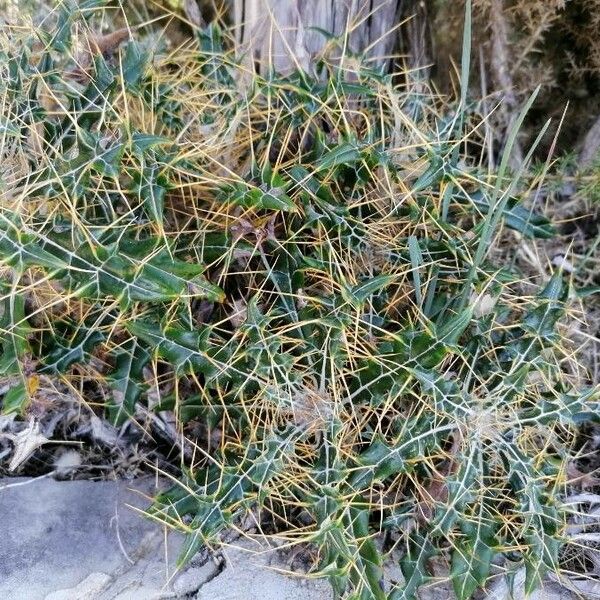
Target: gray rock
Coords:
[(192, 579), (80, 540), (91, 586), (254, 573)]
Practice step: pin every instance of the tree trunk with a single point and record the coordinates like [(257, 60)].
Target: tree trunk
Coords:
[(280, 34)]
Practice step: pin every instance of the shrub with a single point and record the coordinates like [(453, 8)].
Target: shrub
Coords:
[(300, 265)]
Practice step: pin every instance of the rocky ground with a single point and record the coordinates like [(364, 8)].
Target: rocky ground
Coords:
[(83, 540)]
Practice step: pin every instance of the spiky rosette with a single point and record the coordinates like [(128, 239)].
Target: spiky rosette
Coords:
[(299, 263)]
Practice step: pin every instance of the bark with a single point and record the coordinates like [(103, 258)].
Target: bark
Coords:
[(418, 38), (277, 33), (501, 71)]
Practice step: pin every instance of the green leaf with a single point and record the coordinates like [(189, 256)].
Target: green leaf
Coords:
[(214, 59), (287, 279), (142, 142), (66, 352), (378, 462), (542, 320), (9, 129), (126, 382), (14, 348), (472, 558), (450, 330), (516, 216), (564, 408), (586, 292), (183, 350), (134, 65), (61, 40), (357, 295), (431, 176), (151, 189), (416, 260), (231, 487), (130, 270), (263, 198), (446, 392), (528, 223), (16, 399), (20, 250), (108, 162), (542, 521), (367, 563), (103, 79), (414, 567), (344, 154)]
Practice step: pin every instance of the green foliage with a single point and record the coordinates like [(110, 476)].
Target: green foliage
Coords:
[(296, 263)]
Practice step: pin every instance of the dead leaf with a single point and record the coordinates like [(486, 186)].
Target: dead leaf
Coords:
[(6, 421), (67, 461), (105, 45), (312, 409), (103, 432), (563, 263), (192, 12), (25, 443), (579, 478), (483, 305), (437, 490), (239, 314)]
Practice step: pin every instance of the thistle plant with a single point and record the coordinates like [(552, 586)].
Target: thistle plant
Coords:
[(301, 264)]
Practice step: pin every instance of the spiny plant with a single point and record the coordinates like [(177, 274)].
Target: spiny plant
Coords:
[(301, 265)]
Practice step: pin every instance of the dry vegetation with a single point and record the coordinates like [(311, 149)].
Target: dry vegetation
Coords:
[(339, 306)]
